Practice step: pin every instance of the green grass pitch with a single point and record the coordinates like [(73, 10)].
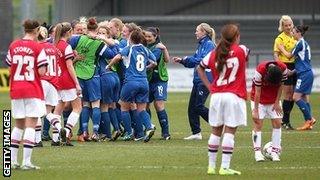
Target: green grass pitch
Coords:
[(177, 158)]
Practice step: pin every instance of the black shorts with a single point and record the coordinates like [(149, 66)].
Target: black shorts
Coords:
[(292, 80)]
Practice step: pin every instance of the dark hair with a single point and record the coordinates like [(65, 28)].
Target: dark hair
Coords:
[(61, 30), (229, 33), (302, 29), (30, 25), (49, 27), (155, 31), (274, 74), (92, 24), (137, 37)]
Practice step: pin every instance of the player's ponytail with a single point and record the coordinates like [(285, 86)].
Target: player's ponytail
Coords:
[(61, 30), (302, 29), (209, 31), (229, 34)]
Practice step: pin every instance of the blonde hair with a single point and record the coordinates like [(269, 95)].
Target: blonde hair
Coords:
[(209, 30), (281, 21), (118, 23), (104, 25), (43, 33)]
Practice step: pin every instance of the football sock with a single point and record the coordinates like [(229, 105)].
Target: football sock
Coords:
[(96, 117), (304, 109), (227, 149), (119, 115), (55, 134), (125, 116), (149, 112), (105, 124), (286, 111), (138, 124), (213, 147), (309, 108), (114, 119), (65, 115), (163, 121), (144, 116), (55, 120), (46, 126), (84, 118), (72, 121), (276, 140), (256, 140), (16, 138), (133, 121), (38, 131), (28, 144)]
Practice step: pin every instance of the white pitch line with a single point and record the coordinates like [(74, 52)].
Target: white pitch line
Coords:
[(266, 132), (188, 147), (181, 167)]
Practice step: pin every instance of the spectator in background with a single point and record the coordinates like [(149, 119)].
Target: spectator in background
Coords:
[(205, 35), (286, 39)]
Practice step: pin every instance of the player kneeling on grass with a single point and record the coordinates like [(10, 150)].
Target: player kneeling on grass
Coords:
[(265, 103)]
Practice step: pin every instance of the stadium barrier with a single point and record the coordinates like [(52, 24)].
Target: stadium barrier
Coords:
[(4, 80), (180, 79)]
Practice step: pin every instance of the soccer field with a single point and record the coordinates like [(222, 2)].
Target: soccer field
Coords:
[(177, 158)]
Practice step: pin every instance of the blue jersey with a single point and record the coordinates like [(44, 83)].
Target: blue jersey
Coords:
[(302, 55), (103, 62), (205, 46), (135, 59), (122, 43)]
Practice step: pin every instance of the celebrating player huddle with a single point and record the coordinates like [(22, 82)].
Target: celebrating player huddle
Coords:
[(111, 72)]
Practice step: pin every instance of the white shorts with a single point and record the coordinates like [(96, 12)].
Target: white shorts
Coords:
[(51, 96), (68, 95), (29, 107), (227, 109), (265, 111)]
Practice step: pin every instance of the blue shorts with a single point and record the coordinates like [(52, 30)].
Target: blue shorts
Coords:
[(304, 82), (91, 90), (110, 88), (158, 91), (135, 91)]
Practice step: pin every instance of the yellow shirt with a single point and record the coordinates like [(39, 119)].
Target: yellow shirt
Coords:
[(288, 43)]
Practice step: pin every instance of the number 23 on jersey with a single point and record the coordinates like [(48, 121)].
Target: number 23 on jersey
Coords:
[(23, 73)]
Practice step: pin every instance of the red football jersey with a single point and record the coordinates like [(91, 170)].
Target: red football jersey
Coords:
[(25, 57), (233, 76), (65, 53), (269, 92), (53, 69)]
